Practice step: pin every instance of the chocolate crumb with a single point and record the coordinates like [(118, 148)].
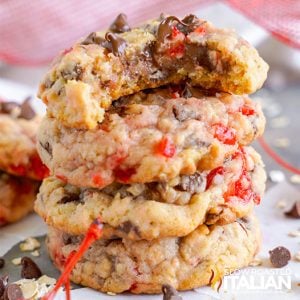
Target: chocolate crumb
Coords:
[(2, 262), (120, 24), (195, 183), (170, 293), (47, 147), (27, 111), (74, 74), (30, 269), (294, 212), (13, 292), (280, 257)]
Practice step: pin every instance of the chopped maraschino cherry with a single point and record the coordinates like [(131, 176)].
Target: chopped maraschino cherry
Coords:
[(166, 147), (211, 175), (38, 167), (97, 180), (224, 134), (94, 233), (124, 175), (200, 30), (18, 169), (63, 178), (246, 110)]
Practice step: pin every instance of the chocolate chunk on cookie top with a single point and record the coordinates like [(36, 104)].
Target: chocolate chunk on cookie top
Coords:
[(103, 67)]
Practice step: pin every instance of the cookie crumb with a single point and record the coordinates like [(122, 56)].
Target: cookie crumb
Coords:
[(279, 122), (16, 261), (279, 257), (297, 256), (295, 233), (255, 262), (295, 179), (30, 244), (281, 204), (281, 142), (276, 176), (294, 212), (35, 253), (111, 294)]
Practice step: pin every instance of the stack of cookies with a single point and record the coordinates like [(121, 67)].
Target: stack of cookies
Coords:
[(20, 166), (148, 128)]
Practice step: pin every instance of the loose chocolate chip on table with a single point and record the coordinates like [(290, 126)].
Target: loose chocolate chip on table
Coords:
[(120, 24), (27, 111), (30, 270), (280, 257), (294, 212), (3, 284), (170, 293), (13, 292), (2, 262)]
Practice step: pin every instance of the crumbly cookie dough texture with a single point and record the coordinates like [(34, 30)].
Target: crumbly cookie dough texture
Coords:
[(143, 267), (85, 79), (149, 129)]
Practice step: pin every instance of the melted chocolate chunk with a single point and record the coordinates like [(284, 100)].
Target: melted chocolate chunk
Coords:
[(30, 269), (118, 44), (165, 29), (279, 257), (70, 198), (3, 284), (182, 113), (128, 227), (120, 24), (170, 293), (47, 147), (189, 24), (294, 212), (198, 55), (74, 74), (195, 183), (13, 292)]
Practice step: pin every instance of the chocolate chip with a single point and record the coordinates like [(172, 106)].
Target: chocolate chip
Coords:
[(74, 74), (182, 113), (27, 111), (294, 212), (128, 227), (195, 183), (2, 262), (189, 24), (30, 270), (3, 284), (170, 293), (279, 257), (118, 44), (120, 24), (8, 107), (47, 147), (70, 198), (13, 292)]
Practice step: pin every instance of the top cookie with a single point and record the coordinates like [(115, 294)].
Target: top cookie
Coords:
[(85, 79)]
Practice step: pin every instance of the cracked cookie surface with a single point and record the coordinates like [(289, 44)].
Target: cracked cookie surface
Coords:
[(85, 79)]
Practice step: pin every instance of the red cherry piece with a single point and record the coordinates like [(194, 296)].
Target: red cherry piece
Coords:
[(211, 175), (62, 178), (176, 51), (246, 110), (175, 32), (124, 175), (38, 167), (200, 30), (166, 147), (97, 180), (224, 134)]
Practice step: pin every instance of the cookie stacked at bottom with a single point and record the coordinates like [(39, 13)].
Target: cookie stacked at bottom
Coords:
[(189, 196), (20, 166)]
